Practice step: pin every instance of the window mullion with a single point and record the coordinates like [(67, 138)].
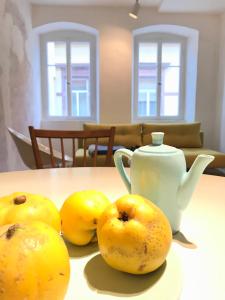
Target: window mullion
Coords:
[(44, 82), (182, 78), (136, 78), (69, 79), (159, 77)]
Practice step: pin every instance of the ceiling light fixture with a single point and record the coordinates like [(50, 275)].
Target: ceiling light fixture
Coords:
[(134, 13)]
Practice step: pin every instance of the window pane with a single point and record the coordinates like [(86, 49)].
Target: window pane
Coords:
[(56, 53), (80, 84), (80, 53), (147, 53), (142, 96), (80, 98), (57, 94), (147, 79), (57, 91), (147, 103), (142, 108), (171, 54), (83, 105), (170, 79), (153, 108), (74, 104), (170, 106), (80, 78)]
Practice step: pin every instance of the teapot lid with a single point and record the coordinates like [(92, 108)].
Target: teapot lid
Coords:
[(157, 145)]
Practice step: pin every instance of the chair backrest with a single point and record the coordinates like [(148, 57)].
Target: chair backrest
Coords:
[(74, 136), (24, 147)]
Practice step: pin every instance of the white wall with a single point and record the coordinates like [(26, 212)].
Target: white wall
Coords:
[(115, 37), (17, 108), (221, 89)]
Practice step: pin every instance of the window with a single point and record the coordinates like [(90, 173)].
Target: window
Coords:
[(159, 77), (69, 75)]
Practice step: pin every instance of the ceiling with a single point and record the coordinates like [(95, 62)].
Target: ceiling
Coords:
[(206, 6)]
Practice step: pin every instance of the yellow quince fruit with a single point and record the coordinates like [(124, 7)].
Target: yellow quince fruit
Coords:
[(21, 206), (134, 235), (34, 262), (80, 213)]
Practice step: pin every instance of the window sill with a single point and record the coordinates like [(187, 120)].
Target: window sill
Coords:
[(69, 119), (65, 124), (157, 120)]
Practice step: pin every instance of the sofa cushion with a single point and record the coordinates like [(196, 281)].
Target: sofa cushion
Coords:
[(178, 135), (192, 153), (127, 135), (100, 159), (89, 159)]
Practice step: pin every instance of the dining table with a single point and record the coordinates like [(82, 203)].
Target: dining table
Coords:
[(195, 265)]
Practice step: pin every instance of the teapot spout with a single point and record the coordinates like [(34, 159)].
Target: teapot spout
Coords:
[(190, 179)]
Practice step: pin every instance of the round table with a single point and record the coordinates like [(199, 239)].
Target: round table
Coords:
[(196, 267)]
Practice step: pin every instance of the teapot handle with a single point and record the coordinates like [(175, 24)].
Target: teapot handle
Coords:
[(120, 167)]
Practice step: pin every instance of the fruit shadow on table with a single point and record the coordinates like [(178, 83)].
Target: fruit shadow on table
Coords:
[(81, 251), (105, 279)]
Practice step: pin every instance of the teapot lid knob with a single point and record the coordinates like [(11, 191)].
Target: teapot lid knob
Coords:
[(157, 138)]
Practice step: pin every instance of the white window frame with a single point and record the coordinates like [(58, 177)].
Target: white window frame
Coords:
[(159, 38), (69, 36)]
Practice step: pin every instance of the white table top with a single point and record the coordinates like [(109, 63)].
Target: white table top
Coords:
[(195, 267)]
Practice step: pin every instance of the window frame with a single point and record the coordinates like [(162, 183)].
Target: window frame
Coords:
[(159, 38), (69, 36)]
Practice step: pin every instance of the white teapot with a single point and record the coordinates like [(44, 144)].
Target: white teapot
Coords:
[(158, 172)]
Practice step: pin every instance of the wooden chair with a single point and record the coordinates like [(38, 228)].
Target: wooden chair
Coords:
[(87, 137), (24, 147)]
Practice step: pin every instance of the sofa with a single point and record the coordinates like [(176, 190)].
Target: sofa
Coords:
[(185, 136)]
